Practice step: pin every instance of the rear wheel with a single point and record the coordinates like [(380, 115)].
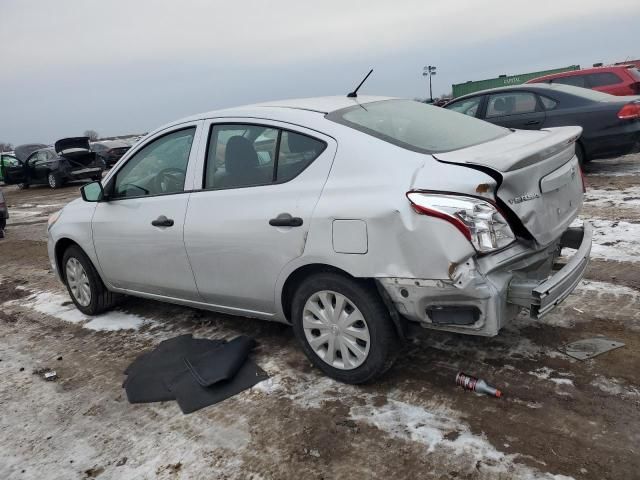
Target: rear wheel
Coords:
[(344, 327), (54, 180), (85, 287)]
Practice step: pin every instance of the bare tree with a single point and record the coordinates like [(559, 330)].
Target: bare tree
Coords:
[(5, 147), (92, 134)]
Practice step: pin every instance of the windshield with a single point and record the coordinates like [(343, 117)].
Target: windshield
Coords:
[(417, 126)]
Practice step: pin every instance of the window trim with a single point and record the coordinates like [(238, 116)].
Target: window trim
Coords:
[(537, 108), (110, 185), (275, 161)]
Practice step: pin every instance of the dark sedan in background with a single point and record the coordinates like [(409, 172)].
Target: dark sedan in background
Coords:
[(70, 159), (611, 124), (110, 150)]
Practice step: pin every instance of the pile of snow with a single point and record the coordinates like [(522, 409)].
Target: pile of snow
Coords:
[(61, 307)]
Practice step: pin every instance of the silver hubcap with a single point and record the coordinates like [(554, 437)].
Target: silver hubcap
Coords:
[(78, 282), (336, 330), (52, 181)]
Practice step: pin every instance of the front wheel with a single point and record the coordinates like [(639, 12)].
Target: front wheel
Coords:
[(344, 328), (85, 287)]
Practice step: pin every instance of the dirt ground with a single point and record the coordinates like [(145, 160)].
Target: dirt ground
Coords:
[(560, 418)]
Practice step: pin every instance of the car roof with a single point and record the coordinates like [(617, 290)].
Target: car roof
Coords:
[(536, 87), (304, 111), (584, 71)]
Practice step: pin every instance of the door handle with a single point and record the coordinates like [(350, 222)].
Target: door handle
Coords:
[(285, 220), (162, 221), (532, 122)]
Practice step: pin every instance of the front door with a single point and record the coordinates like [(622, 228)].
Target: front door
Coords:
[(261, 184), (13, 170), (138, 229), (515, 110)]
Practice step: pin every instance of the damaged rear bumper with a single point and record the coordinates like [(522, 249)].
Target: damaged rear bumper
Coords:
[(488, 292), (542, 297)]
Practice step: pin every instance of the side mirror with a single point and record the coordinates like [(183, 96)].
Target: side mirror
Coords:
[(92, 192)]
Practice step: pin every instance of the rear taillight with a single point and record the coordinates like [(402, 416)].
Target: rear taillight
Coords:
[(630, 111), (478, 220)]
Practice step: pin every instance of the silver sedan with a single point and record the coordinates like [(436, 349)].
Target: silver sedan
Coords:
[(352, 219)]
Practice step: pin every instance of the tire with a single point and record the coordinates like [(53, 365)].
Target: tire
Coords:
[(381, 347), (54, 180), (100, 299)]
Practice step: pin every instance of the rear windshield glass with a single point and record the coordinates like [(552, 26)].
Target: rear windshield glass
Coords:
[(417, 126)]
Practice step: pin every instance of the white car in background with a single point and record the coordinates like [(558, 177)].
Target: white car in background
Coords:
[(352, 219)]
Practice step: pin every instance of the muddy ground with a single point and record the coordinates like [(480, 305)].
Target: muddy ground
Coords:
[(560, 418)]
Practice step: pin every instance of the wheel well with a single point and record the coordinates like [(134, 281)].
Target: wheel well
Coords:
[(60, 248), (295, 278)]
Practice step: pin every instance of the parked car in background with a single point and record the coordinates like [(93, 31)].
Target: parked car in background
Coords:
[(610, 124), (349, 218), (9, 159), (4, 214), (70, 159), (616, 80), (110, 150)]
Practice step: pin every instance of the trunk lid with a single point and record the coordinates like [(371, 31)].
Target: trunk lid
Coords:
[(538, 174), (72, 143)]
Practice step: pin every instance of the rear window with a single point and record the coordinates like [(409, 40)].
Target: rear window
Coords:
[(601, 79), (575, 80), (416, 126)]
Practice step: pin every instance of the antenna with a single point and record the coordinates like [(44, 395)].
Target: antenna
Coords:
[(354, 94)]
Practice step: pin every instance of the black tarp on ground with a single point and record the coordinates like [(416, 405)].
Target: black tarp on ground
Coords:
[(195, 371)]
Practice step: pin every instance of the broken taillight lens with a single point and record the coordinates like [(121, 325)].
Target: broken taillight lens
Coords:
[(478, 220), (630, 111)]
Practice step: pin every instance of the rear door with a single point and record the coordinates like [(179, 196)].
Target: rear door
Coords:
[(260, 185), (515, 109)]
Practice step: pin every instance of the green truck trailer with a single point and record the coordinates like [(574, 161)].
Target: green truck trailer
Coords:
[(460, 89)]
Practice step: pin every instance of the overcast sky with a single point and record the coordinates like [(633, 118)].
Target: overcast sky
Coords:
[(123, 67)]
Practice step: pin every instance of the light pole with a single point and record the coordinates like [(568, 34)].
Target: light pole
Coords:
[(429, 70)]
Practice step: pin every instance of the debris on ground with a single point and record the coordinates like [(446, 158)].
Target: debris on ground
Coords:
[(590, 347), (46, 373), (476, 385)]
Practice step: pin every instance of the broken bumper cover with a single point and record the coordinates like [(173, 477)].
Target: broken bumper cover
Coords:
[(492, 290), (540, 297)]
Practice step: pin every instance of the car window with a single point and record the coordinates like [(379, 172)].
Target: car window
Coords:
[(511, 103), (416, 126), (601, 79), (296, 153), (468, 106), (547, 103), (240, 155), (575, 80), (9, 161), (158, 168)]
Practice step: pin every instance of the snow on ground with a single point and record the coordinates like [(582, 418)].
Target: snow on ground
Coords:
[(613, 239), (545, 373), (616, 198), (429, 422), (61, 307), (440, 428)]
